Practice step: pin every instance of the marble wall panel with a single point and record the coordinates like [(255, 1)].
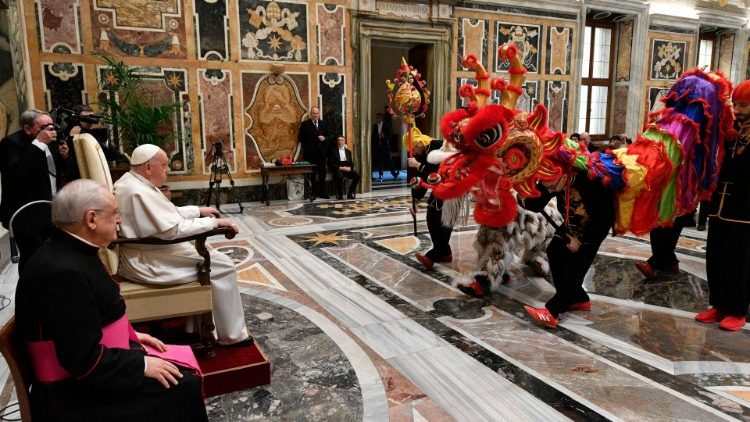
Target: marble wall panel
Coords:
[(273, 31), (726, 52), (331, 34), (557, 105), (624, 50), (59, 26), (667, 59), (332, 87), (747, 65), (8, 100), (215, 107), (211, 29), (473, 38), (63, 85), (620, 109), (140, 28), (164, 86), (655, 96), (559, 50), (273, 109), (529, 99), (525, 37), (461, 101)]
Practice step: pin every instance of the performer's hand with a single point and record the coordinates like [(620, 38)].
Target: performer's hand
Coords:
[(75, 131), (412, 162), (161, 370), (227, 222), (151, 341), (63, 150), (345, 168), (573, 244), (321, 138), (209, 212)]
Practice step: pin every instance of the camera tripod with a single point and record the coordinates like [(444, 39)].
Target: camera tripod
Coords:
[(219, 167)]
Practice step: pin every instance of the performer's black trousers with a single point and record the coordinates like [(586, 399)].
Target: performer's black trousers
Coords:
[(383, 157), (569, 269), (439, 234), (728, 266), (664, 242), (318, 178)]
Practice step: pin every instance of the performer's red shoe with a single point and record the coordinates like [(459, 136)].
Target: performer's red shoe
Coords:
[(580, 306), (732, 323), (542, 316), (447, 258), (646, 269), (710, 316), (424, 260)]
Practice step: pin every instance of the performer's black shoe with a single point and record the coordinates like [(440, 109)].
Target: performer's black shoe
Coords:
[(479, 288), (350, 195), (395, 174)]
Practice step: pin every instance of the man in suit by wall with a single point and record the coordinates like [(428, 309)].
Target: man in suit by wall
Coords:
[(381, 146), (30, 160), (340, 161), (313, 136)]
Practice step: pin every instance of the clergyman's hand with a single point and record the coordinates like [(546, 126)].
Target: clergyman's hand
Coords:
[(227, 222), (47, 135), (161, 370), (209, 212), (151, 341)]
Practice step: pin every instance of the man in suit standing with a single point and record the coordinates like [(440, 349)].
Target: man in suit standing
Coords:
[(313, 136), (340, 161), (381, 146), (30, 160)]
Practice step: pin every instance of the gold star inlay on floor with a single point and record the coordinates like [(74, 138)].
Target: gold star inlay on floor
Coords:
[(321, 238)]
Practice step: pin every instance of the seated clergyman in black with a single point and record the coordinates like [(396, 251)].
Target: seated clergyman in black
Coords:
[(71, 318)]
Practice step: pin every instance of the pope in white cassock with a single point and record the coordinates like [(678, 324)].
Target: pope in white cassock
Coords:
[(147, 212)]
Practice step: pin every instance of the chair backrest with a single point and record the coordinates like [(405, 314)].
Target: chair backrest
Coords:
[(20, 366), (92, 164)]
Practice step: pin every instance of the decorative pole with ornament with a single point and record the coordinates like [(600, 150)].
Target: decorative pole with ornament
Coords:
[(408, 99)]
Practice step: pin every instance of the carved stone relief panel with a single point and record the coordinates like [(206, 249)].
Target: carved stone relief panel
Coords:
[(63, 85), (473, 38), (557, 105), (409, 10), (59, 28), (624, 50), (273, 31), (140, 28), (331, 30), (273, 109), (525, 37), (215, 107), (211, 29), (559, 50)]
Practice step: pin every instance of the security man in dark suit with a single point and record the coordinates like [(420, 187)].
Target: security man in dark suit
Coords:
[(342, 165), (314, 138), (29, 161)]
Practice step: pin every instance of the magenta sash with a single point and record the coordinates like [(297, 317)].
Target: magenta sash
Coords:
[(116, 335)]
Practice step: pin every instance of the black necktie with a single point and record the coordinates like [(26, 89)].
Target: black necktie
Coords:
[(316, 124)]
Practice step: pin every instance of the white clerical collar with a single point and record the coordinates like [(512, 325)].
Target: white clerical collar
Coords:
[(81, 239), (143, 179)]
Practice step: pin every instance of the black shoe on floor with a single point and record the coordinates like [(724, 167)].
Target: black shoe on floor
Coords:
[(244, 343), (350, 196)]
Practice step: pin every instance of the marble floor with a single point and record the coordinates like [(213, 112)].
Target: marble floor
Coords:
[(357, 329)]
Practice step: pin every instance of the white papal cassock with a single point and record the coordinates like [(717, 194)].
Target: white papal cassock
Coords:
[(147, 212)]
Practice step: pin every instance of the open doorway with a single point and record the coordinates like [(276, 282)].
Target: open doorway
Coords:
[(388, 153)]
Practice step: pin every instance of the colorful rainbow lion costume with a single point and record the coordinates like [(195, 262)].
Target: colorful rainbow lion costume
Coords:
[(663, 174)]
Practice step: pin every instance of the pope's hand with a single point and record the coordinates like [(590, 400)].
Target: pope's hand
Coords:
[(227, 222), (209, 212), (161, 370)]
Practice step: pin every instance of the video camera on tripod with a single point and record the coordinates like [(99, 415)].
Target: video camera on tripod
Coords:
[(65, 119)]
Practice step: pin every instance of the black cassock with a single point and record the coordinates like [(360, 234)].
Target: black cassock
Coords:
[(65, 295)]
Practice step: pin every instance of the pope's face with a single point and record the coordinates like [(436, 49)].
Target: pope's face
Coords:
[(157, 169)]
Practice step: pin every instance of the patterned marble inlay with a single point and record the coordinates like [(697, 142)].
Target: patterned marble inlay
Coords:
[(557, 104), (620, 110), (215, 95), (525, 37), (559, 50), (610, 388), (64, 85), (655, 95), (332, 87), (273, 31), (331, 30), (394, 275), (402, 245), (726, 53), (211, 29), (667, 59), (624, 50), (59, 26), (472, 39)]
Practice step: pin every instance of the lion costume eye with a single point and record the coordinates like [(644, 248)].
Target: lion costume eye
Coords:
[(490, 136)]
